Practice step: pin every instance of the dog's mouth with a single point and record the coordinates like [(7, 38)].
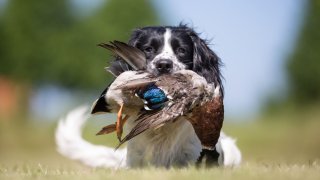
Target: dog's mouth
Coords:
[(157, 72), (164, 67)]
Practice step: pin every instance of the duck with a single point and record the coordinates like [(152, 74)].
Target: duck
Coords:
[(182, 95)]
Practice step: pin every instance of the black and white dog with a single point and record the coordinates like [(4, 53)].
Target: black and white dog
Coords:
[(168, 49)]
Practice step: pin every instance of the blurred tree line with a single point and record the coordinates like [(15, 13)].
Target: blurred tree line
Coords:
[(49, 42), (46, 42), (304, 63), (303, 68)]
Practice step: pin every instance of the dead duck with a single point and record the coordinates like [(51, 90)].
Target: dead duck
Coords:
[(181, 94)]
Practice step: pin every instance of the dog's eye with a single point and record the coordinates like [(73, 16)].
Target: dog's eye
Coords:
[(148, 49), (181, 50)]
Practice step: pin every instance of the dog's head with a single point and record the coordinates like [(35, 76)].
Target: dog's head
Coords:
[(172, 48)]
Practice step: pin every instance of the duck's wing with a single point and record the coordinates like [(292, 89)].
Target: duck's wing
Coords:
[(157, 118), (136, 84), (174, 107), (183, 97), (118, 66), (131, 55)]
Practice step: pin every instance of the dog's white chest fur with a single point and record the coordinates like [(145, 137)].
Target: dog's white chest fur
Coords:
[(174, 144)]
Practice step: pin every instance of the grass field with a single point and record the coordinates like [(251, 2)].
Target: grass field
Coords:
[(246, 171), (283, 146)]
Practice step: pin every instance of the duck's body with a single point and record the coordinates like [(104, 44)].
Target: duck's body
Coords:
[(188, 94), (115, 96), (183, 94)]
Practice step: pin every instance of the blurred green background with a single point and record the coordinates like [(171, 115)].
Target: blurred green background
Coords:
[(49, 48)]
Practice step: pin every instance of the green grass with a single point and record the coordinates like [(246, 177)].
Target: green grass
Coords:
[(246, 171), (283, 146)]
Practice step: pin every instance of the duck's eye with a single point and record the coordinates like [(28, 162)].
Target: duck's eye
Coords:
[(148, 49), (181, 50)]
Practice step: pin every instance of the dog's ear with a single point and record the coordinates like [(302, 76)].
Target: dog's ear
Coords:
[(134, 37), (205, 62)]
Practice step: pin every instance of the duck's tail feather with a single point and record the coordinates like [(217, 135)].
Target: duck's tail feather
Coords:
[(131, 55), (101, 105), (117, 67), (71, 144)]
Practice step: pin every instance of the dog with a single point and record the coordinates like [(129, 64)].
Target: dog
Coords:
[(168, 49)]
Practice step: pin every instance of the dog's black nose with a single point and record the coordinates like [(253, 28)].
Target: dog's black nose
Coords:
[(164, 65)]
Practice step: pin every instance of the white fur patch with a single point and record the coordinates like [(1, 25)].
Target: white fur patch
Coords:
[(72, 145), (230, 154), (167, 53), (167, 49), (217, 91)]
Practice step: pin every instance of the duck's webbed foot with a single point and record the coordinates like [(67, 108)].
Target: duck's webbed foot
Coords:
[(118, 126), (120, 122), (107, 129)]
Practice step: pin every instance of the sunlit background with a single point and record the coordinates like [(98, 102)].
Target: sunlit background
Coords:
[(253, 41), (49, 64)]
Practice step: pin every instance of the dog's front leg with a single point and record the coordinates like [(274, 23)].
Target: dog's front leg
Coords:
[(136, 151), (136, 147)]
